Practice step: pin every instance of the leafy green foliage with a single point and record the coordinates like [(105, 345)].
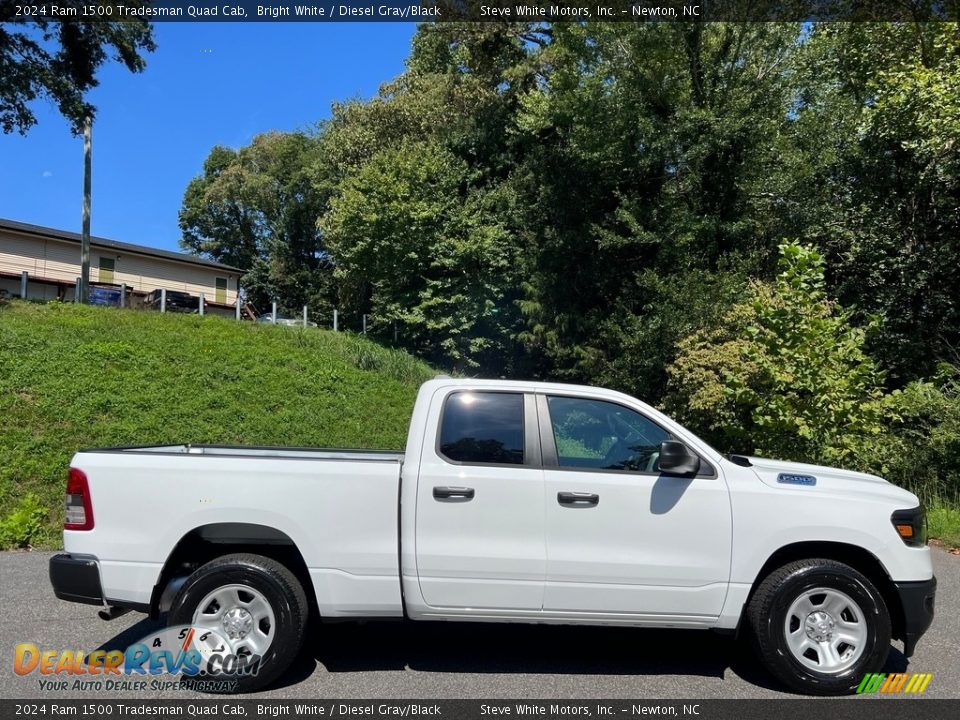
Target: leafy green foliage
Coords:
[(25, 524), (256, 209), (58, 60), (421, 255), (921, 451), (74, 376), (786, 376), (882, 104), (651, 150)]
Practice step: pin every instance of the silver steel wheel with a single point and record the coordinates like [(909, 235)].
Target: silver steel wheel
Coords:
[(239, 614), (826, 630)]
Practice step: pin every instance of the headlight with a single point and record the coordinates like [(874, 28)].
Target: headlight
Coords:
[(911, 525)]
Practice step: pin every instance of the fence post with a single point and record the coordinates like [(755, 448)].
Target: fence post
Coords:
[(163, 300), (202, 303), (238, 303), (76, 291), (123, 295), (273, 318), (394, 332), (364, 323), (335, 320), (24, 279), (304, 315)]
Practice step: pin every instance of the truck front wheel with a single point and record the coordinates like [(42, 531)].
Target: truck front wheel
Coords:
[(256, 609), (820, 626)]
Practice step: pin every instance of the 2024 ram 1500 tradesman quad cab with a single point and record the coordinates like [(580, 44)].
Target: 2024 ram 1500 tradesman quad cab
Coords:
[(518, 502)]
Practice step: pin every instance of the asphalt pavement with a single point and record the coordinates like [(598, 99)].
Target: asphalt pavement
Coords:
[(406, 660)]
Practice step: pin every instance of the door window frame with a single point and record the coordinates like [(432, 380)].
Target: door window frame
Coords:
[(532, 457), (551, 459)]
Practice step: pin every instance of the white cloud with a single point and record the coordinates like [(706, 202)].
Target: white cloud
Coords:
[(47, 173)]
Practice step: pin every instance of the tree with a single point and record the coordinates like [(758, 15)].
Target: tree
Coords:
[(59, 60), (452, 110), (882, 108), (647, 173), (784, 374), (416, 245), (257, 208)]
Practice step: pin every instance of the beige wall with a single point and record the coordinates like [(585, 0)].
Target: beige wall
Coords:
[(60, 261)]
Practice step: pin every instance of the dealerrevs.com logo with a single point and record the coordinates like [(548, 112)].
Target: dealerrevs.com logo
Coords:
[(201, 658), (895, 683)]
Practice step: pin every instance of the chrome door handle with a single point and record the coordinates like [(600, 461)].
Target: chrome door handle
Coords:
[(448, 493), (578, 499)]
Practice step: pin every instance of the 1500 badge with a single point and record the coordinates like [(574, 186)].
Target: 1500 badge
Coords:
[(791, 479)]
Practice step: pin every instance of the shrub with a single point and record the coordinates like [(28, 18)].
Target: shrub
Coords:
[(784, 374), (921, 448), (24, 525)]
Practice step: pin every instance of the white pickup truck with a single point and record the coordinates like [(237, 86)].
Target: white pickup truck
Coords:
[(513, 502)]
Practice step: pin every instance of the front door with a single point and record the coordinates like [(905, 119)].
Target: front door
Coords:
[(480, 525), (623, 538)]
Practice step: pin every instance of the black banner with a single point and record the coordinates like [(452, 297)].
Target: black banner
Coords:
[(848, 708), (479, 10)]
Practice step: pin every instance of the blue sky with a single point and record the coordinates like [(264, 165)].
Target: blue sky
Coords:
[(206, 84)]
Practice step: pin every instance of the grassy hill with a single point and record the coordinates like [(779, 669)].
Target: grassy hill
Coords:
[(73, 377)]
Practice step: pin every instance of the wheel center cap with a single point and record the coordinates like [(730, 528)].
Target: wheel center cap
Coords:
[(237, 622), (819, 626)]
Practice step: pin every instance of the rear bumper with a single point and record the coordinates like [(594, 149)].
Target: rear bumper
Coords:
[(76, 579), (917, 600)]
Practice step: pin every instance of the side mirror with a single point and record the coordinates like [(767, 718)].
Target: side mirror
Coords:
[(677, 459)]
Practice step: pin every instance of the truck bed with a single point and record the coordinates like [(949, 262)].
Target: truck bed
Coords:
[(337, 507)]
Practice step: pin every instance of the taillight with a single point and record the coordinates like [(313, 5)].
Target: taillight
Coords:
[(79, 508)]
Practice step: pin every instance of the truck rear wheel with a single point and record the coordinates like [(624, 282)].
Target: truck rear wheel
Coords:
[(820, 626), (259, 609)]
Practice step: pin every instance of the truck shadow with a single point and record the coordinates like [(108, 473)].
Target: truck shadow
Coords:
[(440, 647), (534, 649), (444, 647)]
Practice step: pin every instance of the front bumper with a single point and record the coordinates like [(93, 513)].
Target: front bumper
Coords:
[(916, 599), (76, 579)]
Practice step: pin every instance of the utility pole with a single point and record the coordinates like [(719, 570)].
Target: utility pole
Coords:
[(85, 232)]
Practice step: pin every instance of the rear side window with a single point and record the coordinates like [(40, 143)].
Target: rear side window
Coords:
[(482, 427)]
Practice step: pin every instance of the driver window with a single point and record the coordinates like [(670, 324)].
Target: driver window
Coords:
[(604, 436)]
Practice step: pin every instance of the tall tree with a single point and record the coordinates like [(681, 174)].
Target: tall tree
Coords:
[(655, 147), (57, 59), (445, 123), (419, 247), (257, 208), (884, 103)]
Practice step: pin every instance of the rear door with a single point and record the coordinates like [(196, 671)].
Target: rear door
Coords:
[(622, 537), (480, 527)]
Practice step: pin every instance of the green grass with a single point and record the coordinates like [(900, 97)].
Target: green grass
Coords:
[(75, 377), (944, 524)]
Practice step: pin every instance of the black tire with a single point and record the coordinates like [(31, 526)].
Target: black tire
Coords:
[(281, 590), (767, 616)]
